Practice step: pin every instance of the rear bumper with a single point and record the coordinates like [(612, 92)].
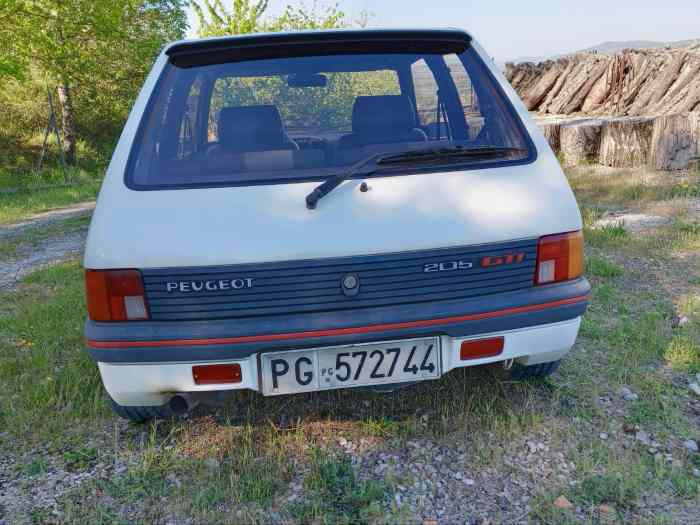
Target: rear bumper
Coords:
[(154, 384), (198, 341), (147, 363)]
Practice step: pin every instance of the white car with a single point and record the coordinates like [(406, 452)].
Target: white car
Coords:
[(306, 211)]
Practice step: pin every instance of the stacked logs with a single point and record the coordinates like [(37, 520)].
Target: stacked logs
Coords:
[(633, 82), (668, 142)]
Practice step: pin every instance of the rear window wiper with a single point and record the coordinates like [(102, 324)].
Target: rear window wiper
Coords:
[(333, 182), (451, 153), (411, 156)]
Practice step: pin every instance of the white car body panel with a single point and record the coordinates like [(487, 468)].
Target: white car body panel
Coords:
[(211, 226)]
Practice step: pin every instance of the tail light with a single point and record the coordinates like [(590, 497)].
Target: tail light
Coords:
[(115, 295), (559, 258), (480, 348), (217, 374)]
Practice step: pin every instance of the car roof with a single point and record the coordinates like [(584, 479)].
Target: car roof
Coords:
[(209, 50)]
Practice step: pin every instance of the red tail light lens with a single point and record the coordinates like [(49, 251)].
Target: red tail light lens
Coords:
[(115, 295), (217, 374), (559, 258), (481, 348)]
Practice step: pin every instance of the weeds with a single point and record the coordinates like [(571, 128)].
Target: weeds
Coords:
[(602, 267), (683, 354), (336, 495)]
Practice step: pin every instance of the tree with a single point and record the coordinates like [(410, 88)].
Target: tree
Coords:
[(299, 18), (246, 16), (214, 19), (83, 45)]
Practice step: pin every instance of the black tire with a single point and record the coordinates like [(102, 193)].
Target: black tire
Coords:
[(140, 414), (523, 373)]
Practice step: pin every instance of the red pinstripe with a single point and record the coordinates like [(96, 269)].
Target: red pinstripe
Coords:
[(336, 331)]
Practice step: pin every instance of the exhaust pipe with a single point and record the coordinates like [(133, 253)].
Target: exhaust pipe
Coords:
[(182, 403)]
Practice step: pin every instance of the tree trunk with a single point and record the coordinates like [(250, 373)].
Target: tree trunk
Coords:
[(580, 141), (625, 142), (579, 96), (68, 120), (536, 94), (551, 131), (675, 141)]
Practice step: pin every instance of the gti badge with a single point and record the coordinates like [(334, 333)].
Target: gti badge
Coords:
[(350, 284)]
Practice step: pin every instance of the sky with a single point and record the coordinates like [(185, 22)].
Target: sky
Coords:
[(511, 29)]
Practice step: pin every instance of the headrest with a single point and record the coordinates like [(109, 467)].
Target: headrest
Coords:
[(382, 114), (251, 128)]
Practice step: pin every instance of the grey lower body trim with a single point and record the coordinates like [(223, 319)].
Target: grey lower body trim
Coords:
[(160, 331)]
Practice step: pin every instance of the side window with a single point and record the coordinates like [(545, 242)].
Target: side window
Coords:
[(426, 92), (431, 118), (187, 139), (427, 98), (467, 95)]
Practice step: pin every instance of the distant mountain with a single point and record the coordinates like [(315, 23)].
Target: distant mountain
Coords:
[(610, 48)]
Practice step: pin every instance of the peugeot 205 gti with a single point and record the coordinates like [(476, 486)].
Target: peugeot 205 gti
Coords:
[(307, 211)]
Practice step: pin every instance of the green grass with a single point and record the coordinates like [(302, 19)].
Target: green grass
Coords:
[(631, 187), (683, 353), (613, 489), (601, 267), (22, 195), (47, 381), (337, 496)]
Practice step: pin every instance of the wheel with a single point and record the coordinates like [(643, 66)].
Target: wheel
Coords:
[(522, 373), (139, 414)]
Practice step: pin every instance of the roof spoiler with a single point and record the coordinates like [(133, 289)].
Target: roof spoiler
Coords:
[(314, 43)]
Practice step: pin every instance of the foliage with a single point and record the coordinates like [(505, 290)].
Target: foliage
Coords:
[(297, 18), (247, 16), (216, 20), (102, 50)]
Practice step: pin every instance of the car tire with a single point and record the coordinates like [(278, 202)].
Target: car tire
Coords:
[(523, 373), (141, 414)]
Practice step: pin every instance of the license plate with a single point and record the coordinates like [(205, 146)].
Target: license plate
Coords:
[(350, 366)]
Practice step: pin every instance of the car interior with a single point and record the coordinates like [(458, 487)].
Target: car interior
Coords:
[(260, 120)]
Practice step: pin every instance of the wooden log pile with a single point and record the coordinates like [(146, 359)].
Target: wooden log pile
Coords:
[(580, 141), (634, 108), (669, 142), (634, 82), (626, 142)]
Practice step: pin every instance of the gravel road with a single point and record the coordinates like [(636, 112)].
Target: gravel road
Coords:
[(29, 257)]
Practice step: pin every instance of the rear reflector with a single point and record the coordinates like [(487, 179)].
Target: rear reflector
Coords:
[(217, 374), (481, 348), (559, 258), (115, 295)]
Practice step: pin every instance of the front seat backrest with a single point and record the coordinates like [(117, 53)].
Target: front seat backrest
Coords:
[(252, 128), (383, 119)]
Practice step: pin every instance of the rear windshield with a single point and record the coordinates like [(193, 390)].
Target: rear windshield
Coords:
[(305, 118)]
